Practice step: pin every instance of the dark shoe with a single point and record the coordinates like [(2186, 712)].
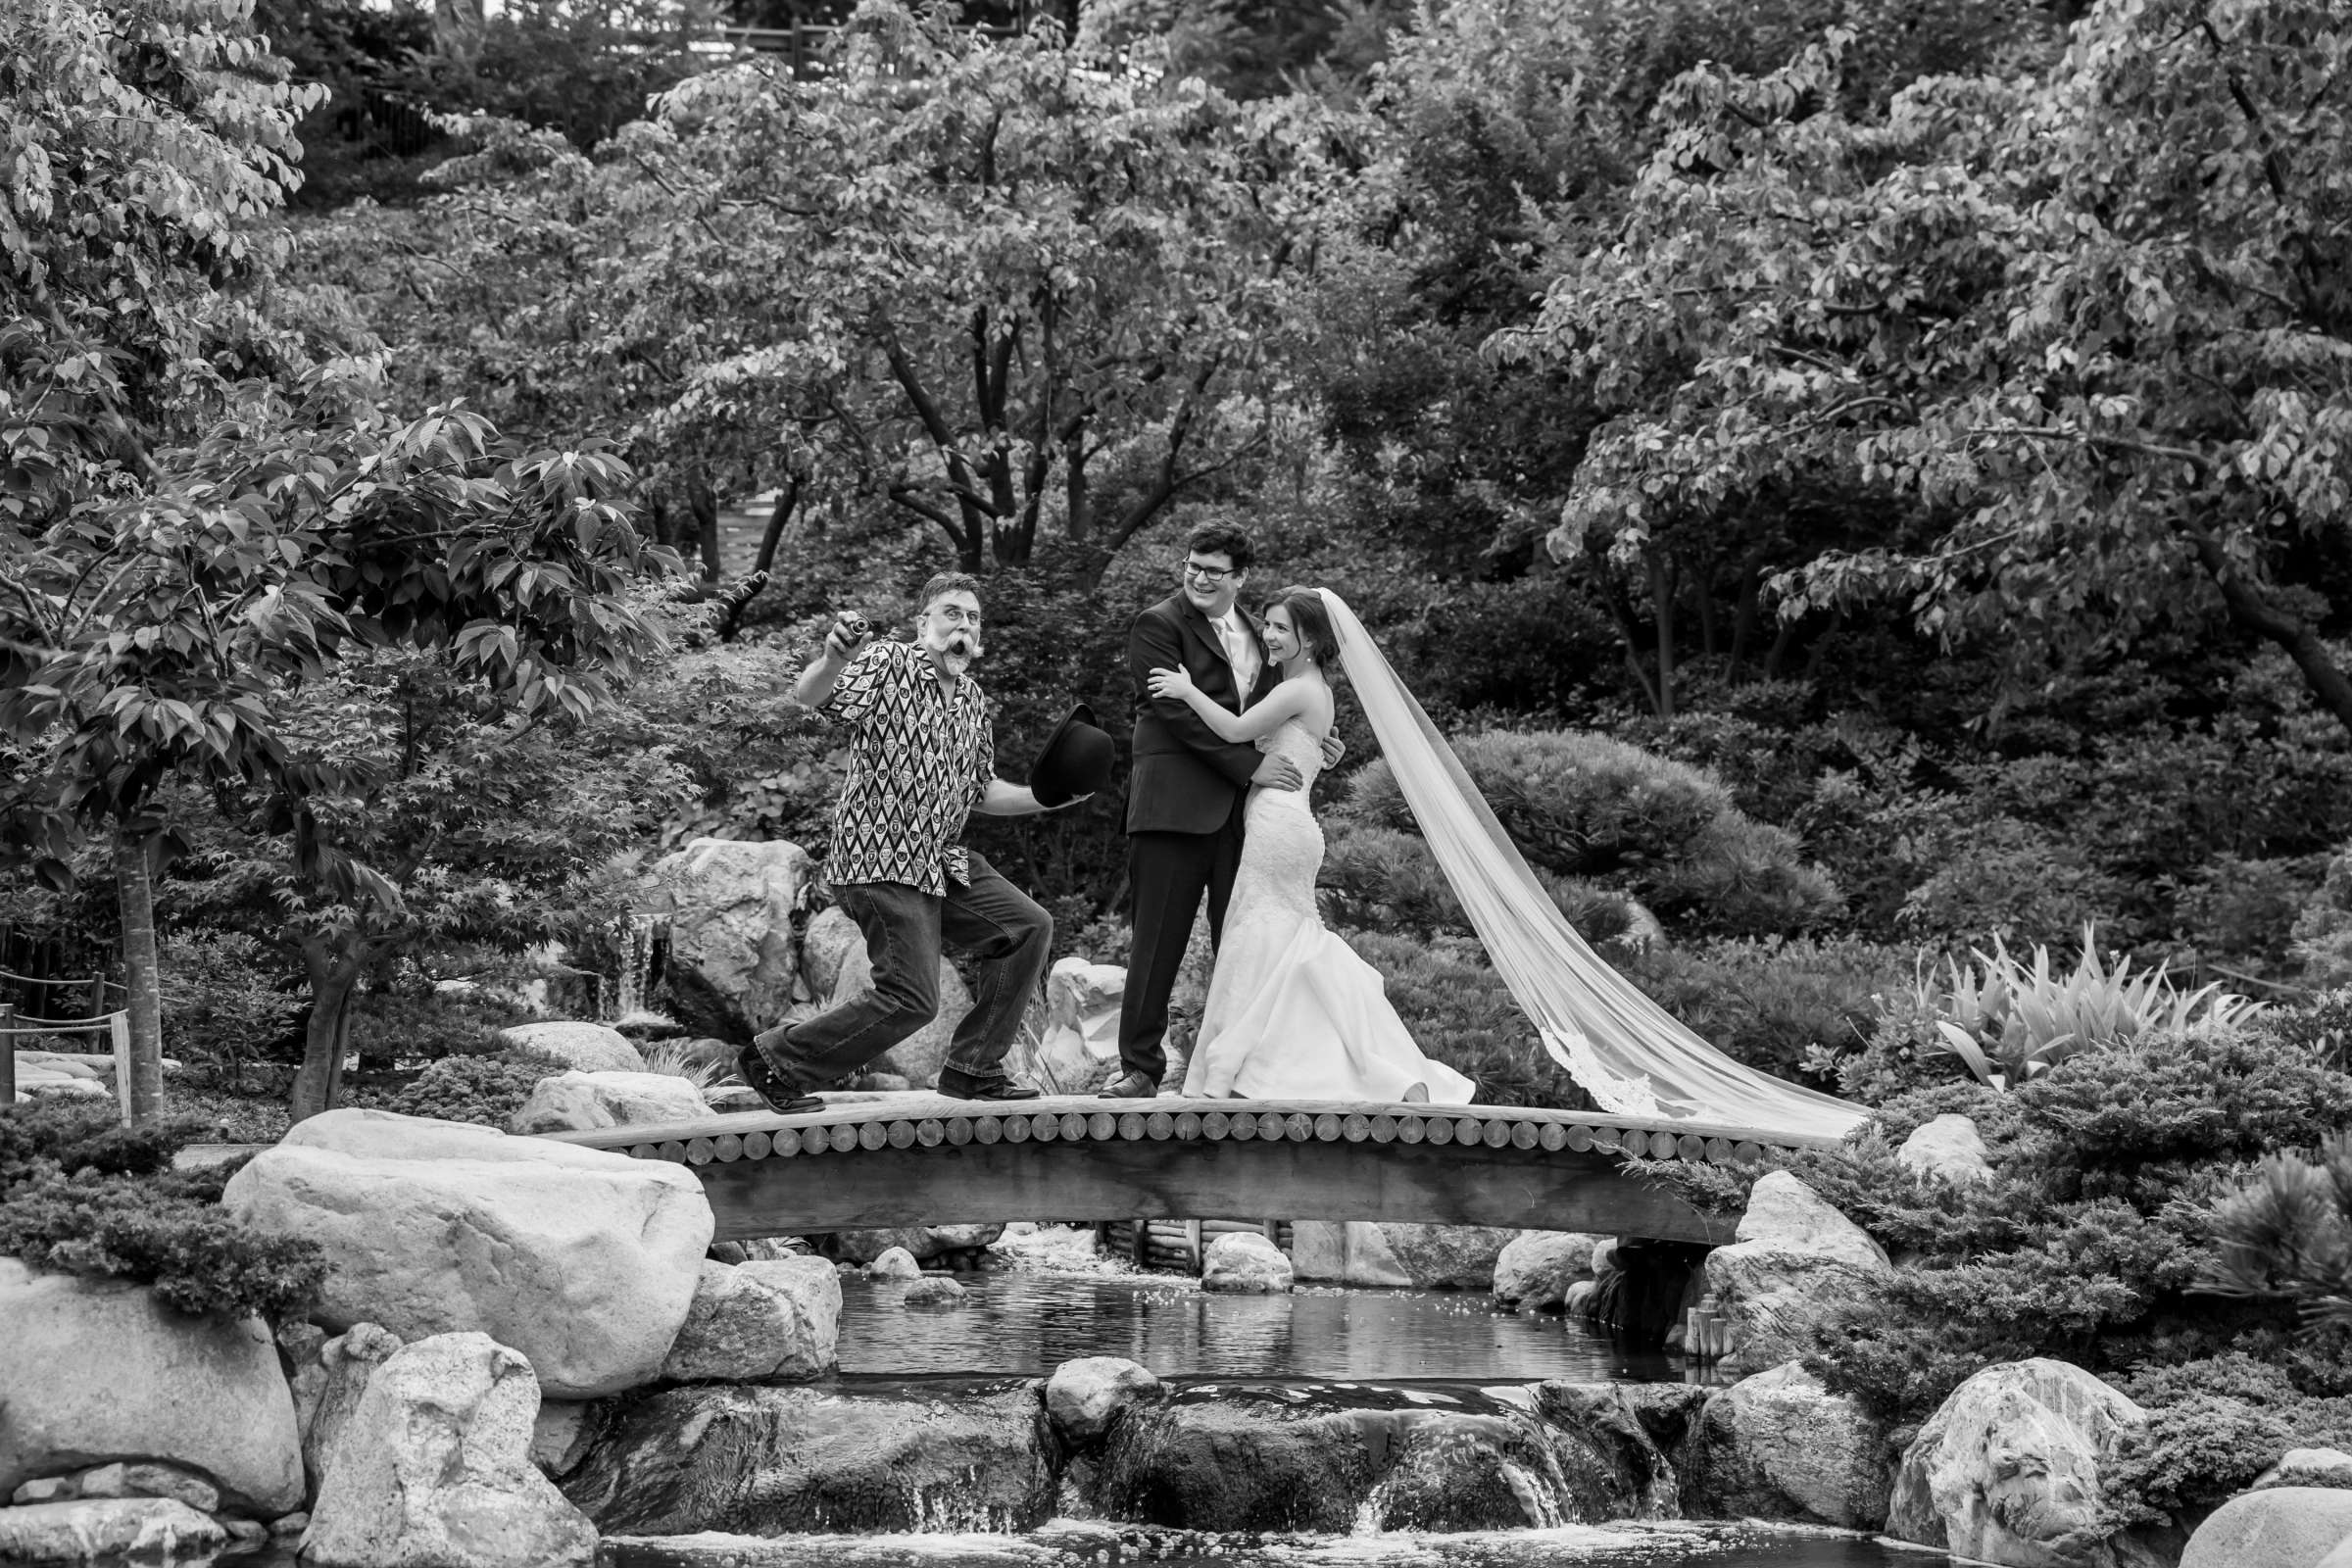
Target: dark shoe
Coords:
[(1132, 1086), (773, 1091), (987, 1089)]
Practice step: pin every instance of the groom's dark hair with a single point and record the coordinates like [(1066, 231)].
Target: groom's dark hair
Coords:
[(1219, 539)]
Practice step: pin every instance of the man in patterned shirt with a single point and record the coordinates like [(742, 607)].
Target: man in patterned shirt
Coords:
[(922, 756)]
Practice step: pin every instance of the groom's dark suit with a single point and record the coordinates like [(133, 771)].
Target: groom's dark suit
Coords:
[(1185, 793)]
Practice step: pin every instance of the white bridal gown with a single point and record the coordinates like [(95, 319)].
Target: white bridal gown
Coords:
[(1293, 1013)]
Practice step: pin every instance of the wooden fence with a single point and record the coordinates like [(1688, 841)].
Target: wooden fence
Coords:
[(115, 1026)]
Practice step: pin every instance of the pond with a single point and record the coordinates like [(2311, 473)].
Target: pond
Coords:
[(1027, 1322)]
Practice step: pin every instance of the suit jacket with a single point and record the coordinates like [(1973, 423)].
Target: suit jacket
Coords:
[(1185, 778)]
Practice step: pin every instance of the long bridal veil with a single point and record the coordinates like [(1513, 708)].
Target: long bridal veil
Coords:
[(1633, 1056)]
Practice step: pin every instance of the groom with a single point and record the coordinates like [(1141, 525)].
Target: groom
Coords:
[(1187, 788)]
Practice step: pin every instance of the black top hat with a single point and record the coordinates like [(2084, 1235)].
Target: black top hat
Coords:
[(1075, 760)]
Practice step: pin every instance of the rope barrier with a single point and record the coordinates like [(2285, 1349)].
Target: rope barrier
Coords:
[(51, 1024), (52, 980)]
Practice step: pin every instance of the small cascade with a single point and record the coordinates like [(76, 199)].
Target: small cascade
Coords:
[(637, 940), (1359, 1459)]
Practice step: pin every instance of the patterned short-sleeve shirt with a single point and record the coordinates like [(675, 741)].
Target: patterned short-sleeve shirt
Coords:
[(919, 761)]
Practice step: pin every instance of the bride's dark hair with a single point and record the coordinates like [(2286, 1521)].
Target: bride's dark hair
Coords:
[(1314, 624)]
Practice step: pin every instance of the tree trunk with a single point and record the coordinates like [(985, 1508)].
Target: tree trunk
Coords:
[(319, 1081), (1661, 594), (134, 893), (2254, 610), (703, 500)]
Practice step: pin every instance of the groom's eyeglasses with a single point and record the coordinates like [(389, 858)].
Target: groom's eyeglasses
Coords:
[(1213, 575)]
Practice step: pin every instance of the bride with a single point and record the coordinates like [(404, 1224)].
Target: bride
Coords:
[(1293, 1012)]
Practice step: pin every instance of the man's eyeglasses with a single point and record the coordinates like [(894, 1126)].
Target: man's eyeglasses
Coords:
[(1211, 575)]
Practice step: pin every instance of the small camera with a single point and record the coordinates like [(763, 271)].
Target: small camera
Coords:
[(854, 626)]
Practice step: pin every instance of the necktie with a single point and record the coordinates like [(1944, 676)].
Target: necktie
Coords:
[(1241, 653)]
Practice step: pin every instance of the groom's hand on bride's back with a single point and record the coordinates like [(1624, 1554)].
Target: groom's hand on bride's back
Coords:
[(1277, 774), (1333, 749)]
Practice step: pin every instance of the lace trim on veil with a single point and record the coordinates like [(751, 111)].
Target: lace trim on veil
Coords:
[(1627, 1095)]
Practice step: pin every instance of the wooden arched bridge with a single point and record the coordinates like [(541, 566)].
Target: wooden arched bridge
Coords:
[(911, 1159)]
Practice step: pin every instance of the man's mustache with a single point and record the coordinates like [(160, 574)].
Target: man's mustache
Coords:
[(963, 646)]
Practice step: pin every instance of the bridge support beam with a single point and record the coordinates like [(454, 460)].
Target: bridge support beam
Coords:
[(980, 1182)]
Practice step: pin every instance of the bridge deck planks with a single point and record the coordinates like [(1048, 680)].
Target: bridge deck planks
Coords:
[(1306, 1171)]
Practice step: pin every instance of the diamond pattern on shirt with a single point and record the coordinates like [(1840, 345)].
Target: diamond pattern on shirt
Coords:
[(919, 761)]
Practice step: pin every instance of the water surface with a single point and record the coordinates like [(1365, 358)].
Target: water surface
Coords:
[(1026, 1323)]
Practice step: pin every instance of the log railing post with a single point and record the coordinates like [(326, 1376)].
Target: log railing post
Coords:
[(8, 1054)]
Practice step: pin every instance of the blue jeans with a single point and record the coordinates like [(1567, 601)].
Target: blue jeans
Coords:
[(904, 930)]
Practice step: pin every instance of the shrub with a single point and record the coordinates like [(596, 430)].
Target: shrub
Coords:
[(2287, 1235), (2320, 1024), (80, 1194), (2243, 912), (2093, 1232), (224, 1007), (1380, 879), (405, 1025), (485, 1090), (1584, 806), (2214, 1425), (2014, 879), (1771, 1001), (2323, 932)]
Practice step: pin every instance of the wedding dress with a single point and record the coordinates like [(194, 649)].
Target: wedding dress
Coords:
[(1293, 1013)]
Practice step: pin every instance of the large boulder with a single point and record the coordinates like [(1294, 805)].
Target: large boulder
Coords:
[(1778, 1446), (1245, 1263), (582, 1260), (1794, 1261), (1946, 1146), (434, 1469), (1537, 1270), (2278, 1527), (107, 1530), (1077, 1042), (753, 1321), (1085, 1395), (769, 1459), (95, 1370), (732, 969), (1456, 1257), (581, 1046), (345, 1364), (580, 1102), (2008, 1471)]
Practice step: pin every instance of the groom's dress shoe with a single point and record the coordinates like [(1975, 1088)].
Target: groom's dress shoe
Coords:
[(1133, 1085)]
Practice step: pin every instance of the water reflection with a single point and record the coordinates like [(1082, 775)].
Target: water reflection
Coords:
[(1029, 1322)]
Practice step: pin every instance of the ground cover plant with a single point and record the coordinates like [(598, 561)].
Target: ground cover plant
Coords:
[(82, 1193)]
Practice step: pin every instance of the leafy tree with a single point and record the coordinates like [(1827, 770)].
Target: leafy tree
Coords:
[(182, 632), (2072, 348), (1008, 287)]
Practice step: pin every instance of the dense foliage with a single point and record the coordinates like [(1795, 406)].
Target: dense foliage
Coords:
[(81, 1194)]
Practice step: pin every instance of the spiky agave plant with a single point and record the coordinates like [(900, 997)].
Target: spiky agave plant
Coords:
[(2287, 1235)]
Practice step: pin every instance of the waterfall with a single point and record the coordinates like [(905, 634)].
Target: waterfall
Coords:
[(636, 964)]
